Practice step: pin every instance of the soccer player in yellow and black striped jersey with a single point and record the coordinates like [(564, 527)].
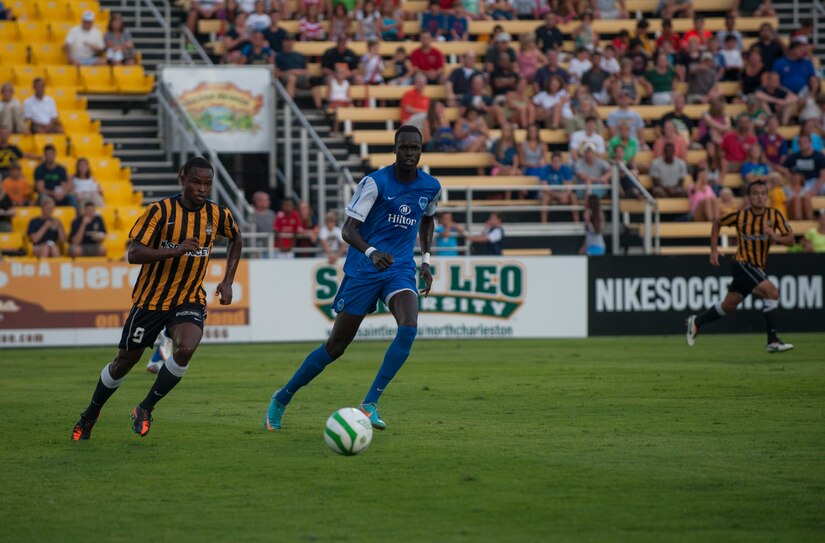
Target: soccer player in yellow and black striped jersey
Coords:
[(756, 229), (172, 242)]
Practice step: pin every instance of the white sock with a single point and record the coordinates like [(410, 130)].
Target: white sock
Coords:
[(770, 305), (107, 379), (719, 309), (174, 368)]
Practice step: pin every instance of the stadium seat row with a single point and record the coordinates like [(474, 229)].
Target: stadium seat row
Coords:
[(56, 11), (105, 169), (84, 79), (27, 30), (76, 145)]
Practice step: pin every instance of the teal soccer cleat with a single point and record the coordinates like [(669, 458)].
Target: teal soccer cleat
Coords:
[(272, 420), (371, 411)]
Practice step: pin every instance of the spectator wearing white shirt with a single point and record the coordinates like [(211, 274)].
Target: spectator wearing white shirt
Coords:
[(84, 42), (588, 135), (332, 241), (41, 111), (730, 30), (247, 6), (579, 64), (609, 63), (259, 20), (86, 189)]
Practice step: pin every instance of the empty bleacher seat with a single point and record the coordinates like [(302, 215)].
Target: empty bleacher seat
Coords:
[(62, 76), (45, 53), (97, 80), (14, 53), (79, 122), (132, 80), (91, 144), (59, 141), (11, 241)]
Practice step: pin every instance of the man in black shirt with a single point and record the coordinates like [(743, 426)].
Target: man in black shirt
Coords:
[(45, 232), (808, 164), (458, 84), (549, 36), (770, 47), (87, 234), (503, 79), (275, 34), (340, 55), (683, 123), (51, 180), (777, 99)]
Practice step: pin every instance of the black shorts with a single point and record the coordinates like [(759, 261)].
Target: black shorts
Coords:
[(745, 278), (143, 325)]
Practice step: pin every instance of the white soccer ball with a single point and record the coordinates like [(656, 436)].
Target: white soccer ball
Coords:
[(348, 431)]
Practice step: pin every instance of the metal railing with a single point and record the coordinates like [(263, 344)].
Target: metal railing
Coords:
[(652, 216), (163, 19), (308, 141), (181, 133), (189, 44)]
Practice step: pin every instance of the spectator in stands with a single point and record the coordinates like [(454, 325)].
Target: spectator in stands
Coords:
[(257, 52), (579, 64), (9, 153), (367, 18), (11, 112), (557, 174), (699, 31), (546, 72), (753, 8), (51, 180), (670, 135), (532, 153), (437, 134), (478, 99), (701, 80), (588, 135), (682, 123), (689, 57), (414, 103), (120, 47), (730, 30), (46, 232), (714, 123), (491, 239), (339, 22), (274, 34), (471, 131), (585, 108), (6, 211), (529, 57), (428, 60), (755, 167), (401, 68), (459, 24), (248, 6), (287, 226), (755, 113), (236, 38), (517, 108), (626, 82), (41, 111), (776, 98), (668, 174), (591, 170), (627, 188), (331, 239), (609, 9), (668, 35), (338, 95), (812, 101), (372, 64), (735, 143), (291, 67), (769, 45), (201, 9), (628, 142), (263, 217), (505, 153), (84, 42), (750, 77), (772, 142), (702, 199), (814, 239), (446, 235), (311, 26), (391, 24), (229, 10), (5, 13), (529, 10), (732, 59), (568, 10), (621, 42), (624, 114), (776, 192), (808, 164), (553, 104), (661, 78), (458, 83), (307, 239), (503, 78), (500, 10), (340, 56), (493, 57), (87, 233), (593, 244), (259, 20), (808, 128), (435, 22), (669, 9), (798, 200), (86, 189), (548, 36), (585, 35), (596, 80), (727, 203), (715, 166), (17, 187)]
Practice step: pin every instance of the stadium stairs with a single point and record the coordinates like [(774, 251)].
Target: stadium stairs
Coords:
[(785, 12)]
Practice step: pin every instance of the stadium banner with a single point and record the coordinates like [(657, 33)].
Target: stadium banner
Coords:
[(646, 295), (474, 298), (231, 106), (75, 303)]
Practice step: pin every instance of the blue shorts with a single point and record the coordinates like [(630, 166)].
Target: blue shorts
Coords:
[(360, 295)]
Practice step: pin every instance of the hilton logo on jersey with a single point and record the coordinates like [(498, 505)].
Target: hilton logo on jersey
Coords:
[(202, 251), (400, 219)]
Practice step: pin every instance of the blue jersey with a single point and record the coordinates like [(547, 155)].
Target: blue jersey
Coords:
[(391, 212)]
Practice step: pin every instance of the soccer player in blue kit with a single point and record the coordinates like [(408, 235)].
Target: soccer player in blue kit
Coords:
[(389, 208)]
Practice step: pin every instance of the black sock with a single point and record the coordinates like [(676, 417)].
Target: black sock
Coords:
[(770, 325), (164, 383), (711, 314), (101, 395)]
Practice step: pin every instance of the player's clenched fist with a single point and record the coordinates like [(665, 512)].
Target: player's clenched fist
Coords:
[(381, 260), (188, 245)]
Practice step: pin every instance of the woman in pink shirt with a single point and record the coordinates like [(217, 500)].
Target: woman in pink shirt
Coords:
[(702, 199), (529, 58)]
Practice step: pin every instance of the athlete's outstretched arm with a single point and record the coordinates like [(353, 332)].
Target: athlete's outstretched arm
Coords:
[(233, 256), (142, 254), (425, 236), (352, 236)]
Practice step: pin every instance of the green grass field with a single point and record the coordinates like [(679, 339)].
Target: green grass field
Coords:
[(597, 440)]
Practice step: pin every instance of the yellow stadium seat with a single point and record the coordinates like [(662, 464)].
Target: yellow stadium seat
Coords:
[(24, 75), (67, 100), (21, 93), (115, 244), (11, 241), (119, 194), (78, 122), (22, 217), (8, 31), (33, 30), (14, 53), (132, 79), (90, 145), (101, 15), (65, 214), (48, 53), (62, 76), (97, 80), (105, 169), (60, 142), (6, 73), (22, 9), (25, 142), (59, 29), (54, 10), (120, 217)]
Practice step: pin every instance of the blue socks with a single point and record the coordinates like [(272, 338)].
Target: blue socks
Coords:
[(396, 355), (313, 365)]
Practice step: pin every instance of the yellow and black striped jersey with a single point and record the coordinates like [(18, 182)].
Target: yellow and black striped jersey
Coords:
[(752, 241), (166, 224)]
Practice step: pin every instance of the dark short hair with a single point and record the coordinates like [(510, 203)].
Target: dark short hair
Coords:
[(407, 129), (49, 147), (755, 183), (193, 163)]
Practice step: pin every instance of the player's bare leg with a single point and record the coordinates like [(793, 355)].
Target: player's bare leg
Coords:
[(727, 306), (186, 337), (404, 307), (770, 295), (110, 379), (343, 333)]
